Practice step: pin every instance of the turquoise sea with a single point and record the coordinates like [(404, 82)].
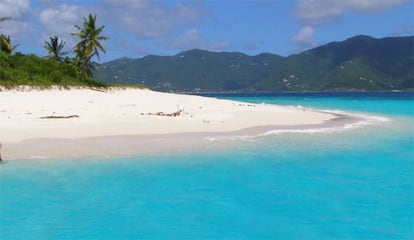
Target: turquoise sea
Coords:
[(354, 183)]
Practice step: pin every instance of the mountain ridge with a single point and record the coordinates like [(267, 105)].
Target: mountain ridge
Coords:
[(357, 63)]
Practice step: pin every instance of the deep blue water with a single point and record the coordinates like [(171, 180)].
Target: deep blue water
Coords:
[(355, 184)]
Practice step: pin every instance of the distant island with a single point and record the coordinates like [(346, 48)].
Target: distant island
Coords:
[(360, 63)]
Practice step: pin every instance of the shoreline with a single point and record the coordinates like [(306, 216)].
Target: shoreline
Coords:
[(115, 146), (83, 123)]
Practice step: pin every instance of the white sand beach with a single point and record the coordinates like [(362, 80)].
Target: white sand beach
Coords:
[(45, 117)]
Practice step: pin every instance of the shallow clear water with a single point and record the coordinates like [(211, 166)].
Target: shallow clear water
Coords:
[(354, 184)]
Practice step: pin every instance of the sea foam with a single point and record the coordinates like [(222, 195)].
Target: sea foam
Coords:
[(363, 120)]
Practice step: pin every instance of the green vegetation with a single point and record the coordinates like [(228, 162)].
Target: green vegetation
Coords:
[(20, 69), (359, 63), (123, 86)]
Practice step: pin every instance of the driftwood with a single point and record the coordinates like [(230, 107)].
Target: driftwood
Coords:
[(59, 117), (244, 105), (173, 114)]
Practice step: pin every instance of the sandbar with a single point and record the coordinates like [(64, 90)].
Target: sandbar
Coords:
[(83, 122)]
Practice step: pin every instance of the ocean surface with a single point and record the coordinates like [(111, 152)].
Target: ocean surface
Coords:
[(345, 183)]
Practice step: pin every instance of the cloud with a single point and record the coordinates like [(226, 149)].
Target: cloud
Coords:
[(194, 39), (60, 20), (14, 8), (315, 12), (305, 37), (321, 11), (150, 19), (19, 11)]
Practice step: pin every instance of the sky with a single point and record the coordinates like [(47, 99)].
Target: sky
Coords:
[(141, 27)]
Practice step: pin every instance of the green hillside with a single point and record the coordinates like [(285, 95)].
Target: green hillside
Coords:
[(358, 63), (194, 70)]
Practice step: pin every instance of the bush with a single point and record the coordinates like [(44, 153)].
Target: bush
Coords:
[(20, 69)]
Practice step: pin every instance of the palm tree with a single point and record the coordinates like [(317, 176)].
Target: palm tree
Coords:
[(89, 44), (83, 61), (55, 48), (4, 19), (5, 44)]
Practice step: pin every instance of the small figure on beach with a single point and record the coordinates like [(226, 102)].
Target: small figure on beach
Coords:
[(0, 152)]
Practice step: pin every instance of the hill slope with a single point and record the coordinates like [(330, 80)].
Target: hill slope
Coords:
[(358, 63)]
